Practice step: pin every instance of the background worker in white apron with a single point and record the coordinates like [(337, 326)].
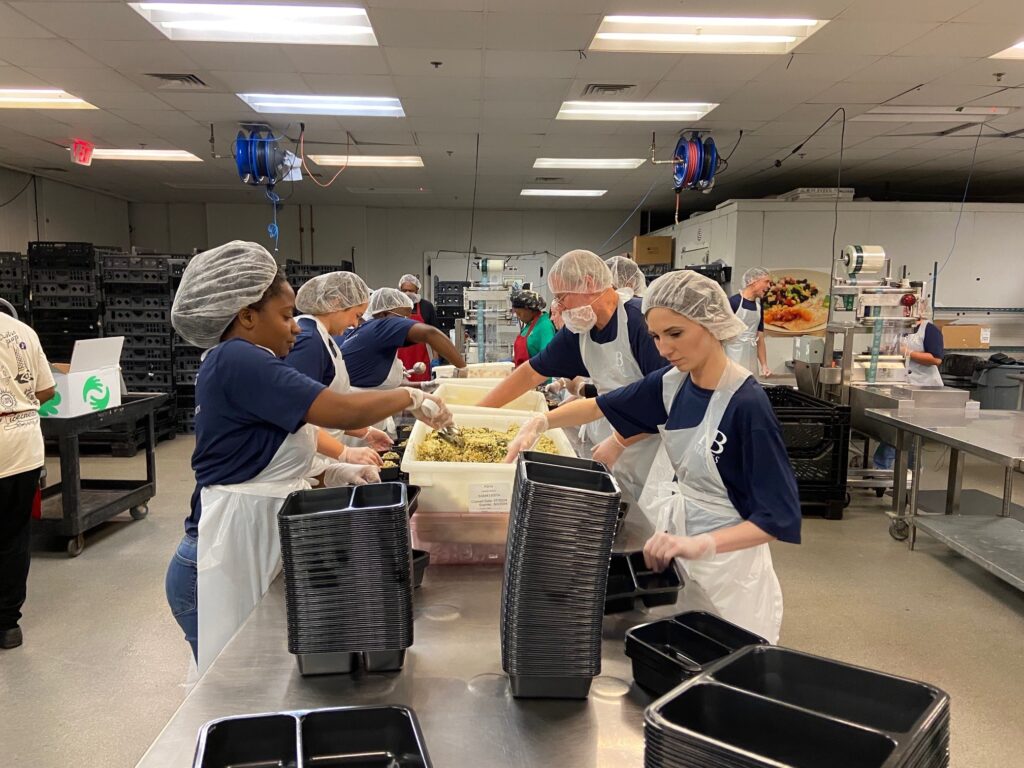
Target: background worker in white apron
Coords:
[(626, 276), (748, 348), (605, 340), (331, 304), (256, 420), (734, 489)]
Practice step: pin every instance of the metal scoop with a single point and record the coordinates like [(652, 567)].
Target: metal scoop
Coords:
[(449, 434)]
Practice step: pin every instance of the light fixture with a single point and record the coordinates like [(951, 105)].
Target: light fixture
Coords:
[(1013, 52), (152, 155), (40, 98), (231, 23), (563, 192), (350, 106), (930, 114), (698, 34), (583, 163), (369, 161), (643, 111)]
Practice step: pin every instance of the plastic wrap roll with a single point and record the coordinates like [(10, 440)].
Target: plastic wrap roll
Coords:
[(864, 259)]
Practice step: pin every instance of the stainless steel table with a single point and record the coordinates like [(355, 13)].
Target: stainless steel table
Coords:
[(996, 542), (452, 679)]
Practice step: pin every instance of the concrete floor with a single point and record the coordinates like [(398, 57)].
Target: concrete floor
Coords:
[(104, 664)]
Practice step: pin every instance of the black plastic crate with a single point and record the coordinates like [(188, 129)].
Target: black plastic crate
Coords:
[(138, 301), (69, 290), (46, 301), (47, 254), (112, 328), (55, 275), (139, 316), (12, 267), (146, 354)]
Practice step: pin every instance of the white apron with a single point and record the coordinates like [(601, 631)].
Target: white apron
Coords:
[(743, 349), (395, 379), (340, 383), (742, 585), (921, 375), (239, 550), (612, 366)]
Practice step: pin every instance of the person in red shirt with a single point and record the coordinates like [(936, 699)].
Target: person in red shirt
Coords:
[(422, 312)]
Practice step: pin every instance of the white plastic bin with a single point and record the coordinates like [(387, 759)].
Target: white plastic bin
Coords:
[(460, 392), (476, 370), (469, 487)]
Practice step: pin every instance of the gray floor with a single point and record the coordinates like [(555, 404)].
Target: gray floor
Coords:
[(104, 664)]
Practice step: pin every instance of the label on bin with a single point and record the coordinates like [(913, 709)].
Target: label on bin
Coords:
[(490, 497)]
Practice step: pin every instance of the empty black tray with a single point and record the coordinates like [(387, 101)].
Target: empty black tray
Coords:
[(420, 561), (621, 592), (629, 580)]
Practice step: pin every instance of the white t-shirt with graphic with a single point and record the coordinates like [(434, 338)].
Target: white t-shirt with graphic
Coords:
[(24, 370)]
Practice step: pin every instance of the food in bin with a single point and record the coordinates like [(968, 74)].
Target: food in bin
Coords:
[(482, 445)]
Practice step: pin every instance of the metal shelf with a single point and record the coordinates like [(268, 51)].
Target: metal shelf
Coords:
[(981, 310), (994, 543)]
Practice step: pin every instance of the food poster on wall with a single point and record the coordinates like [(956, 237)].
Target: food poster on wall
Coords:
[(796, 302)]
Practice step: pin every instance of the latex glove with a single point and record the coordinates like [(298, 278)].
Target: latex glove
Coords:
[(528, 436), (360, 456), (377, 439), (339, 474), (766, 371), (429, 409), (462, 373), (555, 386), (608, 451), (662, 548)]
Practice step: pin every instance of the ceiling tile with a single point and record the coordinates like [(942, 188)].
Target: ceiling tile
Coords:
[(454, 108), (521, 109), (126, 56), (536, 64), (605, 67), (540, 32), (887, 10), (114, 101), (810, 66), (155, 117), (903, 69), (437, 87), (984, 72), (726, 67), (262, 82), (87, 78), (259, 57), (44, 53), (410, 28), (349, 60), (934, 95), (878, 39), (200, 101), (350, 85), (678, 90), (14, 77), (90, 20), (416, 62), (523, 89), (965, 40), (14, 24), (779, 90), (859, 93), (994, 12)]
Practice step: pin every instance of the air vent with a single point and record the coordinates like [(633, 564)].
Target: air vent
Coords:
[(173, 81), (549, 179), (604, 90)]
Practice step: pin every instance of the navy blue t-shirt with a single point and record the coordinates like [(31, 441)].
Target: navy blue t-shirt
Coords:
[(561, 358), (734, 302), (754, 466), (370, 349), (311, 356), (247, 402), (933, 343)]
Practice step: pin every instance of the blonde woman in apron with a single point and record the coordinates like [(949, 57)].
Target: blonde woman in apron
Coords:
[(748, 347), (733, 490), (256, 424)]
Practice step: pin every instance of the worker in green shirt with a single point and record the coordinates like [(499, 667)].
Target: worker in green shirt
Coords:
[(537, 331)]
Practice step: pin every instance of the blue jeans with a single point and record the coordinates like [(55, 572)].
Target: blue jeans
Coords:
[(181, 588), (885, 456)]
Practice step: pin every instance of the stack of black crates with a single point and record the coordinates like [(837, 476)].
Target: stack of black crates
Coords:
[(450, 302), (300, 274), (186, 363), (14, 282), (65, 295)]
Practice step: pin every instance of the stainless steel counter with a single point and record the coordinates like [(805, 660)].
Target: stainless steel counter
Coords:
[(452, 679)]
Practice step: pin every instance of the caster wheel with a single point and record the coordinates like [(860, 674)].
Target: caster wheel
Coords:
[(879, 492), (75, 545), (899, 530), (846, 501), (139, 512)]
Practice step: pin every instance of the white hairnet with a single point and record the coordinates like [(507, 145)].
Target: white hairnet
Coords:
[(626, 274), (332, 292), (754, 274), (411, 279), (216, 286), (696, 297), (579, 272), (387, 299)]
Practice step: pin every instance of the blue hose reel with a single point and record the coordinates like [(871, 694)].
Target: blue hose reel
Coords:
[(694, 164), (261, 162)]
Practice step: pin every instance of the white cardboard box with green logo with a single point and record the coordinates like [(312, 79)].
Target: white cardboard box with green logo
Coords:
[(92, 382)]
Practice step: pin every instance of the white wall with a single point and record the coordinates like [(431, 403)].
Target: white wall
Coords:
[(168, 227)]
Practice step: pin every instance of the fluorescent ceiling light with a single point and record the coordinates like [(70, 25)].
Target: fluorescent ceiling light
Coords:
[(580, 163), (40, 98), (226, 22), (931, 114), (1013, 52), (153, 155), (563, 192), (643, 111), (351, 106), (697, 34), (369, 161)]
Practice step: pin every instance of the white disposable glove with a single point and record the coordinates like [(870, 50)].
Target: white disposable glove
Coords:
[(608, 451), (377, 439), (528, 436), (462, 373), (555, 386), (339, 474), (360, 456), (662, 548), (766, 371), (429, 409)]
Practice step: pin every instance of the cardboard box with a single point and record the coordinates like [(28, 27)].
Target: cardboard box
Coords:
[(965, 336), (92, 381), (653, 250)]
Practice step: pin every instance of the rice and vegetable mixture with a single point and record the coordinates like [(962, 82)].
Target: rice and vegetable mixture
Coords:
[(483, 445)]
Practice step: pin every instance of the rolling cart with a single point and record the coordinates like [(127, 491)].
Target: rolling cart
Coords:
[(76, 505)]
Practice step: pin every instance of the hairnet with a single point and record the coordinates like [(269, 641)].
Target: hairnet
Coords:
[(387, 299), (696, 297), (411, 279), (579, 272), (216, 286), (528, 300), (754, 274), (331, 293), (626, 274)]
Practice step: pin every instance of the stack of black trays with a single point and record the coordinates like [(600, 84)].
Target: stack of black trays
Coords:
[(450, 302), (65, 296), (630, 580), (186, 361), (346, 736), (14, 283), (770, 706), (300, 274), (348, 577), (556, 569)]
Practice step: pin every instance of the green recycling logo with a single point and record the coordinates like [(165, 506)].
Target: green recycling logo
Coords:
[(95, 393), (49, 408)]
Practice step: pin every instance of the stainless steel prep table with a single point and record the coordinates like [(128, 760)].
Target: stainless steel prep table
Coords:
[(452, 679), (993, 541)]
